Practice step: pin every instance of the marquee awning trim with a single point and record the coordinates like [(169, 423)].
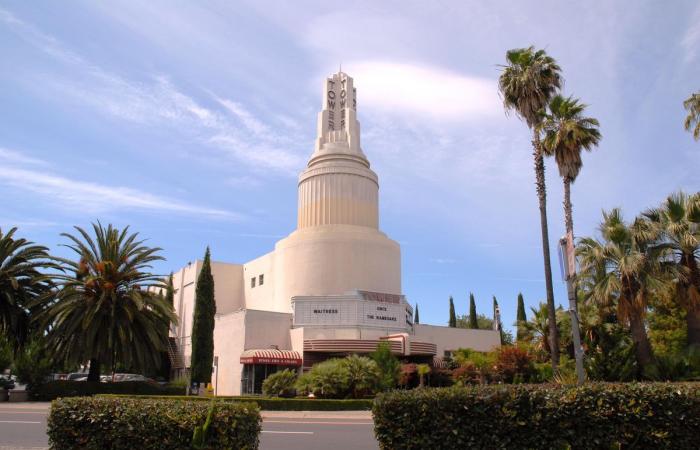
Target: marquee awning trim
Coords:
[(271, 356)]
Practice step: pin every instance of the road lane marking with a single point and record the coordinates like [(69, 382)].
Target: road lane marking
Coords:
[(318, 422), (287, 432), (16, 421)]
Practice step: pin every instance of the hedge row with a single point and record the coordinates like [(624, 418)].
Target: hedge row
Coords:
[(594, 416), (278, 404), (144, 424), (65, 388)]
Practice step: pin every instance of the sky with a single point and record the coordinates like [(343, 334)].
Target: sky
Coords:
[(190, 122)]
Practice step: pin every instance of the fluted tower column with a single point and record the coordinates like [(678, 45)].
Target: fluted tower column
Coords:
[(338, 186)]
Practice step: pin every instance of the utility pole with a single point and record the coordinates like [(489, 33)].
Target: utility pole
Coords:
[(567, 264)]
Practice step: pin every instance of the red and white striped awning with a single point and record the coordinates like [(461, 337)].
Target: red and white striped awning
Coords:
[(271, 356)]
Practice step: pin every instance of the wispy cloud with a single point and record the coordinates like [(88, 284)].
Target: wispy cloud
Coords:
[(443, 260), (233, 130), (691, 39), (93, 197), (11, 156), (425, 90)]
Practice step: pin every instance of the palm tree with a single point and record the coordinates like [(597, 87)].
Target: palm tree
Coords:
[(107, 307), (692, 120), (632, 272), (679, 222), (566, 133), (536, 329), (21, 283), (422, 370), (527, 83)]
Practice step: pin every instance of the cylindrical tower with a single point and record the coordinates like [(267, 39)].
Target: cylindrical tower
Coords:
[(337, 247)]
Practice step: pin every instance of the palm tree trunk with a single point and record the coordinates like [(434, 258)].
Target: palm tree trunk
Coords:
[(641, 340), (692, 293), (542, 196), (568, 207), (94, 373)]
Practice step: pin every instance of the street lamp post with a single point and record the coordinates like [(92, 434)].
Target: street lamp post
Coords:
[(567, 263)]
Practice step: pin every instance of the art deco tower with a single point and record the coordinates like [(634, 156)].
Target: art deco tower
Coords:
[(337, 247)]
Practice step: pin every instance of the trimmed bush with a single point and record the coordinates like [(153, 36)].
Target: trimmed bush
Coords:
[(593, 416), (64, 388), (276, 404), (144, 424)]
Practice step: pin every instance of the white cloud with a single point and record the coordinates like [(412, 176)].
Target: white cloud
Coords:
[(430, 91), (93, 197), (691, 39), (157, 101), (11, 156)]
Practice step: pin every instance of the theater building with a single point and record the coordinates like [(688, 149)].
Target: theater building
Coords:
[(330, 288)]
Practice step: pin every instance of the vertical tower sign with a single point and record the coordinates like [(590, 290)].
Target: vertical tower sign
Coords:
[(338, 118)]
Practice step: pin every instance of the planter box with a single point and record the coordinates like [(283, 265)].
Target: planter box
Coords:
[(3, 395), (19, 395)]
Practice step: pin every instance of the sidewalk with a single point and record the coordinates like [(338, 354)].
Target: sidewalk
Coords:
[(347, 415)]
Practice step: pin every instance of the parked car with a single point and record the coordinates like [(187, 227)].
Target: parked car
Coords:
[(77, 376)]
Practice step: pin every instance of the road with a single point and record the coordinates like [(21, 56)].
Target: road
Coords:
[(23, 426)]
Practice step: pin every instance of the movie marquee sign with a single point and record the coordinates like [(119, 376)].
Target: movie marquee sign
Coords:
[(350, 311)]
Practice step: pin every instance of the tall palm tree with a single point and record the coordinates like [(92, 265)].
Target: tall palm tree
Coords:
[(22, 281), (692, 120), (632, 272), (107, 308), (679, 221), (527, 82), (566, 133)]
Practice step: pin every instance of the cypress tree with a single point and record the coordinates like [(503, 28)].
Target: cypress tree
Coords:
[(416, 319), (521, 317), (473, 320), (453, 317), (203, 325), (169, 297)]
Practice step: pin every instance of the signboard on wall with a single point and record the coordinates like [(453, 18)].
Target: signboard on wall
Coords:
[(348, 311)]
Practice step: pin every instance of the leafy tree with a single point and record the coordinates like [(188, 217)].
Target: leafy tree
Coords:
[(422, 370), (106, 308), (6, 354), (473, 320), (521, 318), (513, 363), (631, 273), (452, 323), (280, 384), (667, 331), (389, 366), (33, 364), (21, 284), (330, 379), (203, 324), (678, 221), (416, 317), (527, 82), (609, 353), (482, 322), (692, 120)]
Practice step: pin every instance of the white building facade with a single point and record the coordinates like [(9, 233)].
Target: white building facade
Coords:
[(330, 288)]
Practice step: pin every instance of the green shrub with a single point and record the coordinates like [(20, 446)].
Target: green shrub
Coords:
[(280, 384), (388, 364), (593, 416), (354, 376), (275, 404), (32, 365), (144, 424), (64, 388)]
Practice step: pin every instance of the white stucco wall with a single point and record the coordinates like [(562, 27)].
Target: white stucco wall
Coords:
[(446, 338)]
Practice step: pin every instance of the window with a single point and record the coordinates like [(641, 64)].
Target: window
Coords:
[(261, 279), (252, 282)]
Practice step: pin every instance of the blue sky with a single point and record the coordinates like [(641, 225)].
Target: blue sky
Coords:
[(189, 121)]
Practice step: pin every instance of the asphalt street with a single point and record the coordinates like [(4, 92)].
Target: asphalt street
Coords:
[(23, 427)]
